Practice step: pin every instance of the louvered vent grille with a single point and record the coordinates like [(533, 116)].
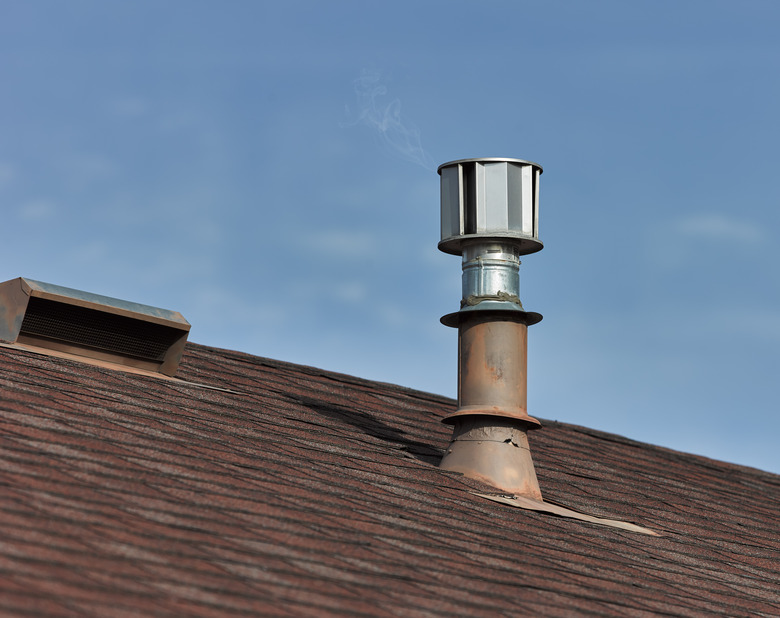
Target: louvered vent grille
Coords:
[(97, 330), (57, 320)]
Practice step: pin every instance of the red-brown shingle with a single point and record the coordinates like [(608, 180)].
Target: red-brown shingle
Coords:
[(296, 491)]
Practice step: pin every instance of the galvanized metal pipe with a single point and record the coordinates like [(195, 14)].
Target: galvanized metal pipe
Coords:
[(490, 271)]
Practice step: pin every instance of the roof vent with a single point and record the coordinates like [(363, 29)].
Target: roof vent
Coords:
[(490, 216), (43, 316)]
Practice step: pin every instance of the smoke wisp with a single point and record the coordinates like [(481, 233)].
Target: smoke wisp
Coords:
[(395, 132)]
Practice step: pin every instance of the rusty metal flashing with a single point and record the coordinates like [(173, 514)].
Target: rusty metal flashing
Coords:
[(493, 450), (61, 321), (524, 502)]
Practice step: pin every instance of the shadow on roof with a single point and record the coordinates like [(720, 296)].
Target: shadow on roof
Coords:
[(376, 429)]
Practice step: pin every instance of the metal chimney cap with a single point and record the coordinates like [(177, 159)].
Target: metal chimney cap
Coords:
[(490, 200), (489, 160)]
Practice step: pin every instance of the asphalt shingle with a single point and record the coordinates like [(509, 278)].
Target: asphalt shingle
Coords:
[(257, 487)]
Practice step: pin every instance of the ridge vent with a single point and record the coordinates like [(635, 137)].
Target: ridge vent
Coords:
[(51, 318)]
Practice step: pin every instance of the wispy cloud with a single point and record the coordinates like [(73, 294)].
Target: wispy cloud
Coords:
[(37, 210), (394, 315), (89, 254), (351, 292), (373, 110), (342, 243), (7, 174), (718, 227), (130, 106), (757, 324)]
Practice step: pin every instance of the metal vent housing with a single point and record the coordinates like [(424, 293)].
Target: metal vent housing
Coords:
[(490, 199), (490, 217), (46, 317)]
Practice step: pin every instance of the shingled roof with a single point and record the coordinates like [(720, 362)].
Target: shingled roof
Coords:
[(256, 487)]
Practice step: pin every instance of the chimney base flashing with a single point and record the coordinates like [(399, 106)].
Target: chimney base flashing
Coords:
[(493, 451)]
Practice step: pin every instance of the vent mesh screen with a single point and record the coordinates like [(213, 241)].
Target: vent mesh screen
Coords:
[(98, 330)]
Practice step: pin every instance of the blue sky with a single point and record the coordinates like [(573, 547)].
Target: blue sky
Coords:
[(269, 170)]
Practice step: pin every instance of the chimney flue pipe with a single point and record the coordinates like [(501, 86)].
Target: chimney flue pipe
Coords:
[(489, 216)]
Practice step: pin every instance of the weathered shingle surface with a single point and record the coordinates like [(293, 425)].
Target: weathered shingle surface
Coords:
[(304, 492)]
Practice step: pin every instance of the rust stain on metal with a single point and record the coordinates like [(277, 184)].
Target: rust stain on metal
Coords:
[(524, 502), (493, 369), (489, 440), (494, 450)]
